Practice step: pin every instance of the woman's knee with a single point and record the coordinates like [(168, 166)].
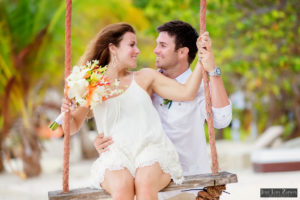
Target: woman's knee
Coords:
[(122, 190), (119, 185), (145, 184), (123, 187), (152, 177)]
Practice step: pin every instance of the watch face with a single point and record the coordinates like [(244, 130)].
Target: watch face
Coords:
[(218, 71)]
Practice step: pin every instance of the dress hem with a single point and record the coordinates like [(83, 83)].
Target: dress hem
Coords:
[(100, 178)]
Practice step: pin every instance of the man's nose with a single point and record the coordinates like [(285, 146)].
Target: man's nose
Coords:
[(156, 51)]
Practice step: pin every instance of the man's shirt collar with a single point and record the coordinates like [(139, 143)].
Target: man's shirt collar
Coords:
[(184, 76)]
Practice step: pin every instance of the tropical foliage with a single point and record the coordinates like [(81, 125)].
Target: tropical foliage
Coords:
[(257, 45), (24, 32)]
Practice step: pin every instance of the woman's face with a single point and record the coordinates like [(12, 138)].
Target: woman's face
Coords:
[(127, 51)]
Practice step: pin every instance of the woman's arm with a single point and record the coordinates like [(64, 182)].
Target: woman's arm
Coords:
[(77, 116), (170, 89)]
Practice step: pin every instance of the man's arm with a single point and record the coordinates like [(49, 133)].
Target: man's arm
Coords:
[(219, 96), (102, 143), (222, 111), (218, 93)]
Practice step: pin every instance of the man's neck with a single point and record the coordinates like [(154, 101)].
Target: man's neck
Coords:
[(175, 71)]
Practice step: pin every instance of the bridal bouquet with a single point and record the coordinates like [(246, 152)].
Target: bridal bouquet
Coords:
[(87, 86)]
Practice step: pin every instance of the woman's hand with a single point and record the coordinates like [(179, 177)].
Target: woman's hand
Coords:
[(205, 54), (78, 114), (67, 105)]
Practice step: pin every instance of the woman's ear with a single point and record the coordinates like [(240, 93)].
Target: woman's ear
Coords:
[(112, 48)]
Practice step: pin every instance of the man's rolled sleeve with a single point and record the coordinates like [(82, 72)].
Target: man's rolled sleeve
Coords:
[(222, 116)]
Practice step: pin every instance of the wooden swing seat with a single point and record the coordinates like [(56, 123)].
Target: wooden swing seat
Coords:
[(196, 181)]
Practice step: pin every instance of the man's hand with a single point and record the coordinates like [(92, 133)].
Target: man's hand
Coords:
[(101, 143), (205, 54)]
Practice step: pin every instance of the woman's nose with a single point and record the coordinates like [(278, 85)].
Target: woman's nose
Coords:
[(137, 51)]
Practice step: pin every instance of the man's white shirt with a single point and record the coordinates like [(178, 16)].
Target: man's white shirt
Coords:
[(183, 123)]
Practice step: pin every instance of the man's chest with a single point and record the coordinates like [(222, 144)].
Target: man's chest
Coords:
[(174, 111)]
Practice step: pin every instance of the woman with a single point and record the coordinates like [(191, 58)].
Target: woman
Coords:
[(142, 160)]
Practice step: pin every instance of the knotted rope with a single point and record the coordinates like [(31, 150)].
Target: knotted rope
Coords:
[(209, 118), (67, 115)]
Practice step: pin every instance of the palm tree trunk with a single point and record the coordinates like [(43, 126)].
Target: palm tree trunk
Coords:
[(31, 154)]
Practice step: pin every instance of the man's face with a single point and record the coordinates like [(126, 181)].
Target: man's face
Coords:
[(166, 56)]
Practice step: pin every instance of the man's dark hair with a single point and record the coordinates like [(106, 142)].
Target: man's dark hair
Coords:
[(185, 36)]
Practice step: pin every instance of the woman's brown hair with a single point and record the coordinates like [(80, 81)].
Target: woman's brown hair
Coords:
[(98, 47)]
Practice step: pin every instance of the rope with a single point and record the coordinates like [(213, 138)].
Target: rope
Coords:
[(67, 115), (211, 192), (209, 118)]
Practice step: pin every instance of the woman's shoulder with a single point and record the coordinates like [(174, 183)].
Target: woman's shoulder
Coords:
[(145, 76), (147, 72)]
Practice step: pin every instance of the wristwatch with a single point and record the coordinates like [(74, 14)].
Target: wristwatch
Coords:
[(216, 72)]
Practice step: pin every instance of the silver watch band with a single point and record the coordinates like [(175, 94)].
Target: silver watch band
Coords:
[(216, 72)]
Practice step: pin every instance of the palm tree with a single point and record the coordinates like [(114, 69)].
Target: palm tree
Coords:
[(31, 55), (26, 27)]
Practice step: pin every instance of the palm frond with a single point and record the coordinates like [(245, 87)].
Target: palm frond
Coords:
[(25, 18)]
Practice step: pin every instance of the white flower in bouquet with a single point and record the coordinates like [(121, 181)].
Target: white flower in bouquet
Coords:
[(77, 89), (87, 86), (98, 95)]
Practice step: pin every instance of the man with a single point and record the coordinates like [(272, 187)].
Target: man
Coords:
[(183, 122)]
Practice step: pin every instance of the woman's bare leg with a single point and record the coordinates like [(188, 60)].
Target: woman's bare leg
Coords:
[(149, 181), (119, 183)]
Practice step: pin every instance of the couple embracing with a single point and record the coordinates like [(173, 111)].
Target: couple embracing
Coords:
[(154, 131)]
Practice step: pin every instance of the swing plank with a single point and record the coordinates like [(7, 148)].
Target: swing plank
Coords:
[(202, 180)]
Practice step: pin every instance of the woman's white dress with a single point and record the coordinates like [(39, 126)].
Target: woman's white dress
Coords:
[(138, 137)]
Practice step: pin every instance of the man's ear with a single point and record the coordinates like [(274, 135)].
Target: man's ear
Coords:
[(183, 52)]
